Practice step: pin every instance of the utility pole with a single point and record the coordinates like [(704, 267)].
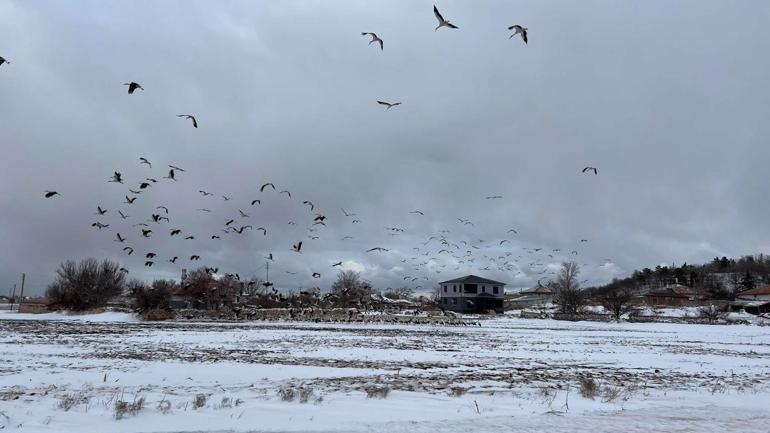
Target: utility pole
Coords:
[(21, 296), (13, 297), (267, 272)]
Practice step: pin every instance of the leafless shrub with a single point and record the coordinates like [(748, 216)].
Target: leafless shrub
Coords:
[(123, 408), (458, 391), (588, 387), (68, 401), (611, 393), (199, 401), (287, 393), (377, 391), (711, 313), (164, 406)]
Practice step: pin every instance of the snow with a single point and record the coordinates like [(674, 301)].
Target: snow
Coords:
[(107, 316), (518, 375)]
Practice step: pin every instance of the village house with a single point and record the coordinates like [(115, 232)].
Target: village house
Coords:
[(754, 301), (675, 295), (539, 295), (472, 294)]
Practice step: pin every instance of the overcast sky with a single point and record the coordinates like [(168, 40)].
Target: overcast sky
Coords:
[(668, 99)]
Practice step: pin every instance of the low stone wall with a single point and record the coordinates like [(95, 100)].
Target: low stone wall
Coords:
[(337, 315)]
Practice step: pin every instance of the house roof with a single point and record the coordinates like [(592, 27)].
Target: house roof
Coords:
[(674, 291), (539, 290), (472, 279), (754, 292)]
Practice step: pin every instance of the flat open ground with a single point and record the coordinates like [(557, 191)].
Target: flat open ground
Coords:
[(65, 374)]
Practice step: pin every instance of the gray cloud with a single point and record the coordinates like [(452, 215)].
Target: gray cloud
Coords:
[(667, 99)]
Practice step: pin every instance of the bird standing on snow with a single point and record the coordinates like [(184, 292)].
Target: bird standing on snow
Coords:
[(518, 30), (133, 86), (441, 21), (375, 38)]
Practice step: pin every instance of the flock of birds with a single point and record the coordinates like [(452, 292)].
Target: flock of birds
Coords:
[(442, 251)]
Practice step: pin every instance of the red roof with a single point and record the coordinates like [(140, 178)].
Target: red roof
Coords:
[(674, 291), (758, 291)]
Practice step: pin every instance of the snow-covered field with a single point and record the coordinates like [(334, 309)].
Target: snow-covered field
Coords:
[(63, 373)]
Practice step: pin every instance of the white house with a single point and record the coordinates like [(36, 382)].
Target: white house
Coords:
[(472, 294)]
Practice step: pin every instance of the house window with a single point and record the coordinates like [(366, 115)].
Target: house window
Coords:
[(445, 289), (454, 301), (483, 289), (495, 290), (454, 288)]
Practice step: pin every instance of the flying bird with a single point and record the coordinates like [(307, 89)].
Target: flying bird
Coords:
[(493, 197), (243, 215), (226, 198), (337, 264), (49, 194), (266, 185), (163, 207), (287, 193), (173, 259), (377, 249), (176, 168), (170, 175), (205, 193), (191, 117), (146, 232), (143, 160), (150, 255), (100, 211), (129, 249), (116, 177), (122, 215), (120, 238), (204, 210), (148, 263), (518, 30), (130, 200), (175, 232), (194, 257), (2, 60), (375, 38), (316, 275), (388, 104), (133, 86), (309, 203), (589, 169), (417, 212), (257, 201), (441, 21), (297, 247)]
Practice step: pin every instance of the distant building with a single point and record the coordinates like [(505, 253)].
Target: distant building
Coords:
[(754, 301), (675, 295), (539, 295), (472, 294)]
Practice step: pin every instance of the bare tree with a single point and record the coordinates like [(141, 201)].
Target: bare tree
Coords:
[(400, 293), (569, 296), (350, 289), (617, 301), (88, 284)]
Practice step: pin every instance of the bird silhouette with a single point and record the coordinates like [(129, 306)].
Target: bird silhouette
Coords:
[(49, 194), (518, 30), (257, 201), (191, 117), (297, 247), (194, 257), (441, 21), (120, 238), (389, 104), (132, 86), (146, 232), (173, 259), (2, 60), (375, 38), (175, 232), (129, 250), (266, 185), (337, 264), (116, 177), (143, 160), (588, 169), (150, 255), (171, 175)]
